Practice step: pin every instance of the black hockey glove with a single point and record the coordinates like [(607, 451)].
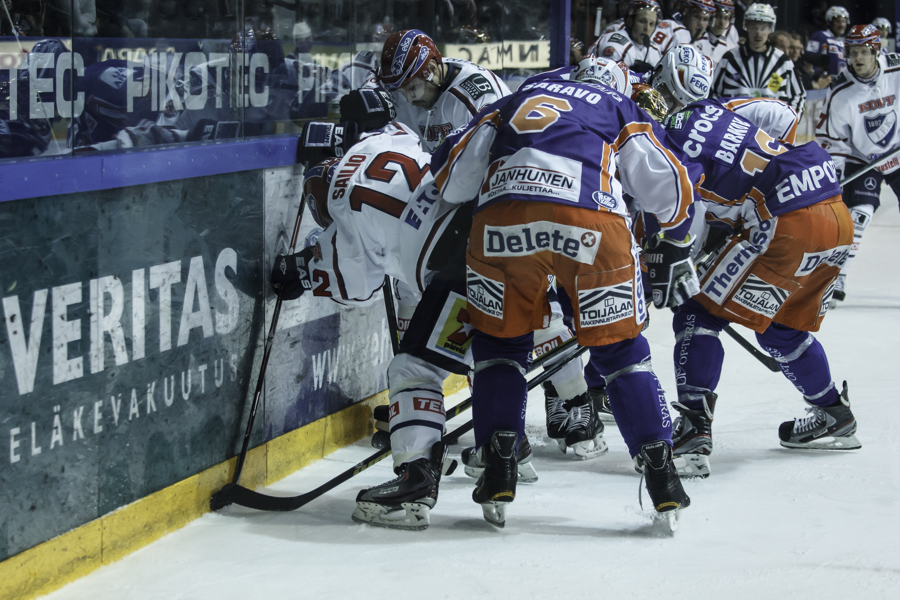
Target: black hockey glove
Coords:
[(291, 274), (670, 270), (370, 109), (320, 141), (640, 66)]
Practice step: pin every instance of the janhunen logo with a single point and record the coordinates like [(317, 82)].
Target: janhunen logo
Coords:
[(533, 172), (485, 294), (601, 306), (761, 297), (523, 240)]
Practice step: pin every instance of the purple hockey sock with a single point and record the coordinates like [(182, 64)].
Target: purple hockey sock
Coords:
[(698, 353), (802, 360), (499, 390), (635, 394)]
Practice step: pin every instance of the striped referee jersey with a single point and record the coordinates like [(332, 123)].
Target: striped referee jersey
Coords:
[(769, 74)]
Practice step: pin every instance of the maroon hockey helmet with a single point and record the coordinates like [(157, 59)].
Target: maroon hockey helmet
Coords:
[(635, 5), (864, 35), (724, 5), (701, 5), (405, 56), (316, 181)]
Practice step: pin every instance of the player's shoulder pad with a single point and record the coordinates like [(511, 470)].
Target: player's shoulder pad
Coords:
[(476, 85), (892, 59), (841, 79), (618, 38)]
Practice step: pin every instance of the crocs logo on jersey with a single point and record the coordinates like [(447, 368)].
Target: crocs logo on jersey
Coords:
[(880, 129), (523, 240), (808, 180), (484, 294), (604, 305), (832, 258), (761, 297)]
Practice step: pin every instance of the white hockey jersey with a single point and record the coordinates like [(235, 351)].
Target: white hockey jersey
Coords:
[(671, 33), (858, 124), (723, 43), (618, 46), (388, 216), (466, 90), (776, 117)]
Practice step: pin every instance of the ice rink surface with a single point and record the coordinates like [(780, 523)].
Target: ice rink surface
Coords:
[(768, 523)]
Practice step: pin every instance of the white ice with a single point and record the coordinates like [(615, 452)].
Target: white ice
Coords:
[(768, 523)]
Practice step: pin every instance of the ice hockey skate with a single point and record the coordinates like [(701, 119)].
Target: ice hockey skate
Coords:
[(601, 404), (404, 502), (584, 434), (692, 438), (663, 485), (474, 462), (823, 428), (496, 487), (557, 415)]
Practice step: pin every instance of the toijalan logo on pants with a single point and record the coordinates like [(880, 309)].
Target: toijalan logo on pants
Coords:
[(484, 293), (761, 297), (601, 306)]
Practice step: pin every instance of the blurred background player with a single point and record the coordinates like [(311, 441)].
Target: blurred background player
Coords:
[(884, 30), (858, 125), (825, 48), (633, 44), (696, 16), (757, 69), (722, 32)]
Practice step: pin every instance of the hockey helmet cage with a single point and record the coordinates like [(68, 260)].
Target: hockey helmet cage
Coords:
[(604, 71), (316, 181), (864, 35), (635, 5), (882, 22), (650, 101), (724, 5), (760, 12), (405, 56), (686, 73), (836, 12)]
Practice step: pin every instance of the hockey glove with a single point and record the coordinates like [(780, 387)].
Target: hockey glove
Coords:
[(320, 141), (670, 270), (291, 274), (370, 109)]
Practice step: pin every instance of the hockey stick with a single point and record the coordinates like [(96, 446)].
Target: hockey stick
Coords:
[(265, 363), (234, 493), (767, 361), (869, 167), (391, 314)]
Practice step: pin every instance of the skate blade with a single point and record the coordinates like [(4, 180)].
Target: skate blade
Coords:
[(411, 516), (668, 521), (692, 465), (495, 513), (527, 473), (844, 442), (607, 418), (590, 448), (562, 444)]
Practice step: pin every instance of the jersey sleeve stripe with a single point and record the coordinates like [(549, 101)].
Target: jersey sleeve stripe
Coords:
[(440, 178), (465, 101)]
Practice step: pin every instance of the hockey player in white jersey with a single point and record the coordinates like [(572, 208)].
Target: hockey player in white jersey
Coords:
[(858, 126), (722, 32), (757, 69), (695, 17), (633, 44), (381, 214)]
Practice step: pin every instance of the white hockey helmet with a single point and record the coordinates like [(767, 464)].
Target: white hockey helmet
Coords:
[(881, 22), (596, 69), (760, 12), (686, 73), (836, 12)]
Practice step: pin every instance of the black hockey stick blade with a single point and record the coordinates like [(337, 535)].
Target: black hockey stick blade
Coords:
[(233, 493), (769, 362)]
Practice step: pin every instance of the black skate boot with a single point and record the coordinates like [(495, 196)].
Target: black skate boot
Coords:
[(474, 462), (497, 485), (823, 428), (557, 415), (601, 404), (585, 432), (692, 438), (663, 484), (406, 501)]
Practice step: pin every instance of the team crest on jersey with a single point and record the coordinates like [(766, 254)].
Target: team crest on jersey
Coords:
[(484, 293), (605, 305), (880, 128), (609, 51), (760, 296), (476, 86)]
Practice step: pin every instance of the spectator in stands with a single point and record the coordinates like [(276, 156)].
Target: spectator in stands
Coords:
[(781, 40)]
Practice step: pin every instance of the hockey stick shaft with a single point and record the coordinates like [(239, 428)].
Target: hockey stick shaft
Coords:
[(767, 361), (869, 167), (388, 291), (233, 493), (260, 382)]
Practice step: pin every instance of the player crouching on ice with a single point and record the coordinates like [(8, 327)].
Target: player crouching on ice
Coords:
[(539, 212), (791, 233)]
